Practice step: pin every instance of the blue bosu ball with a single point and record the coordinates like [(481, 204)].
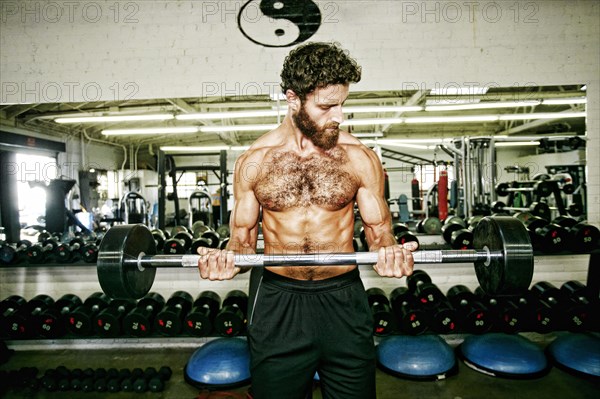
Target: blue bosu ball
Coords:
[(578, 353), (219, 364), (504, 355), (423, 357)]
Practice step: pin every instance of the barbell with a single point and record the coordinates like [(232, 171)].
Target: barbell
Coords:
[(503, 258)]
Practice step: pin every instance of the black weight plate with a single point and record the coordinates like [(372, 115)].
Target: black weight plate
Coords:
[(213, 237), (512, 273), (119, 279), (432, 225)]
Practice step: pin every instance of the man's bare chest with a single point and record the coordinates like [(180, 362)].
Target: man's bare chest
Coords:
[(289, 181)]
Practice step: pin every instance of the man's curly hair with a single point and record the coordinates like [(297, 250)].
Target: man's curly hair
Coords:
[(315, 65)]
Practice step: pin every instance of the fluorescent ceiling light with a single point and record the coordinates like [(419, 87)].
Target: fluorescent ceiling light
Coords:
[(458, 91), (367, 135), (516, 143), (239, 147), (115, 118), (452, 119), (156, 130), (237, 128), (372, 121), (541, 115), (194, 148), (231, 114), (565, 101), (384, 108), (484, 105)]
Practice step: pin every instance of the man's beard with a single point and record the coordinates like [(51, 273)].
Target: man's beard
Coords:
[(321, 137)]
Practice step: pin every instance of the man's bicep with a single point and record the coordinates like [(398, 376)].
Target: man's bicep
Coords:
[(244, 216)]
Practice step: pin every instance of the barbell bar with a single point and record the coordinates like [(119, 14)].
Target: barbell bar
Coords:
[(503, 258)]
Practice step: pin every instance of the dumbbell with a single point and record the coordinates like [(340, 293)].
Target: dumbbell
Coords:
[(549, 308), (586, 305), (583, 237), (474, 316), (66, 252), (225, 241), (89, 253), (139, 321), (198, 228), (170, 319), (176, 245), (231, 319), (80, 320), (540, 188), (457, 236), (159, 238), (443, 319), (402, 234), (199, 321), (430, 225), (10, 254), (383, 319), (157, 382), (9, 307), (420, 285), (108, 322), (51, 323), (540, 209), (504, 312), (199, 243), (113, 383), (134, 375), (19, 323), (46, 235), (223, 231), (41, 253), (545, 236), (412, 317)]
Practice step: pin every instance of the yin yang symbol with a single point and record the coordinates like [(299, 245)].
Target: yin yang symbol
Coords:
[(279, 23)]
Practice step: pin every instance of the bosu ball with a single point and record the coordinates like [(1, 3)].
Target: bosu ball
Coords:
[(577, 353), (219, 364), (504, 355), (423, 357)]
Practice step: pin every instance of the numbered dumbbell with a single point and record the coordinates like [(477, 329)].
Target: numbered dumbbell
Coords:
[(199, 321), (41, 253), (504, 312), (10, 254), (420, 285), (231, 319), (89, 253), (108, 322), (383, 318), (552, 238), (80, 320), (474, 316), (9, 307), (19, 324), (175, 246), (139, 321), (582, 305), (444, 319), (170, 319), (51, 323), (551, 306), (67, 252), (584, 237), (412, 317)]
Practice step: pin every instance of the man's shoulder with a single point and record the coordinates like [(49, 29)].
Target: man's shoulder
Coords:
[(353, 146)]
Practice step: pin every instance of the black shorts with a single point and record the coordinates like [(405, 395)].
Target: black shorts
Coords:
[(297, 328)]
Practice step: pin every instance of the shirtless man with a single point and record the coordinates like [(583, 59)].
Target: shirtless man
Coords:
[(306, 176)]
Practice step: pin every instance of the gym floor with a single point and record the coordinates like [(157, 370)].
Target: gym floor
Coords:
[(467, 384)]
